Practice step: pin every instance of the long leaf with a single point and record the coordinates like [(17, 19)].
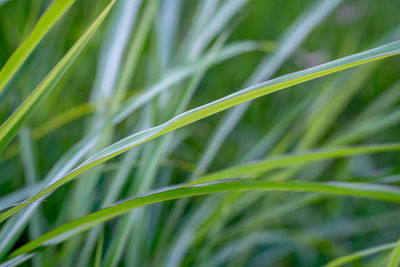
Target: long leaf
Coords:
[(212, 108), (45, 23), (14, 227), (359, 254), (17, 261), (369, 191), (259, 167), (11, 126), (394, 260)]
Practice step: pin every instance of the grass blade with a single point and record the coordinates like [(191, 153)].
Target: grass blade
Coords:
[(290, 40), (147, 172), (76, 153), (216, 23), (370, 191), (99, 250), (394, 260), (259, 167), (45, 23), (288, 43), (359, 254), (17, 260), (30, 172), (11, 126), (215, 107)]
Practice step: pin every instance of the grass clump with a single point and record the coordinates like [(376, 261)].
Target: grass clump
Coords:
[(298, 171)]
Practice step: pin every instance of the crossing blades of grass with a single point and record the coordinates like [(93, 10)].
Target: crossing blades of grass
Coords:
[(394, 260), (45, 23), (359, 254), (215, 107), (11, 126), (369, 191), (256, 168), (291, 39), (30, 172), (287, 44), (17, 260), (133, 103), (174, 76), (75, 153)]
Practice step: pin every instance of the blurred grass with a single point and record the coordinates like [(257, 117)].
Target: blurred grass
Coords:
[(169, 61)]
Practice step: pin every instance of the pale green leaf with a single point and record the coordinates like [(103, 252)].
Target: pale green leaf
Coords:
[(394, 260), (359, 254), (11, 126), (369, 191), (256, 168), (45, 23), (212, 108)]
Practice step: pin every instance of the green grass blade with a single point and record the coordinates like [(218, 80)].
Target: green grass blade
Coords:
[(359, 254), (167, 29), (45, 23), (175, 76), (383, 102), (113, 53), (17, 260), (252, 223), (147, 173), (394, 260), (286, 46), (99, 250), (16, 196), (369, 191), (119, 57), (52, 124), (365, 128), (215, 107), (256, 168), (30, 172), (136, 47), (214, 26), (74, 154), (11, 126)]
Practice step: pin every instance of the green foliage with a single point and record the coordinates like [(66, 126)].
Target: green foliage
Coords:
[(46, 22), (122, 156)]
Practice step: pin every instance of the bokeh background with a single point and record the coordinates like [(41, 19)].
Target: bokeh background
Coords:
[(359, 106)]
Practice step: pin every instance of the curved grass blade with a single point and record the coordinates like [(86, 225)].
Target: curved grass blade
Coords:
[(114, 57), (70, 159), (31, 173), (287, 45), (177, 75), (365, 128), (369, 191), (52, 124), (256, 168), (132, 223), (11, 126), (291, 39), (99, 250), (394, 260), (359, 254), (45, 23), (214, 26), (10, 199), (133, 103), (215, 107), (17, 260)]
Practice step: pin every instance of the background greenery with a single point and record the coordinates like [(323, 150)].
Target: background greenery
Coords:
[(141, 44)]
